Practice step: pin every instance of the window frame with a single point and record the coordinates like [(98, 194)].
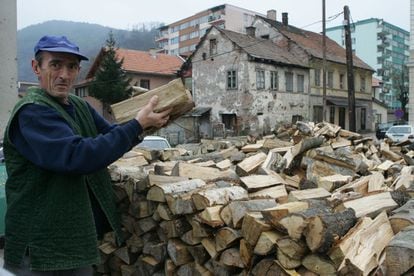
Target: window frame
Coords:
[(231, 79), (260, 79)]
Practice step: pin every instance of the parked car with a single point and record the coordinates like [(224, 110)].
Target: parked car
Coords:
[(154, 142), (400, 133), (381, 129)]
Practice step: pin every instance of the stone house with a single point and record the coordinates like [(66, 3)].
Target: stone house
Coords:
[(307, 46)]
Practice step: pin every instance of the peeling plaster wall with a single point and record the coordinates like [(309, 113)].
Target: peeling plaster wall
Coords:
[(256, 110)]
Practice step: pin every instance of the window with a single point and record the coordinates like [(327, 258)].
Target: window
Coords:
[(144, 84), (174, 40), (213, 47), (260, 79), (317, 77), (330, 80), (341, 81), (289, 81), (317, 114), (300, 82), (363, 118), (362, 88), (231, 79), (332, 114), (274, 80)]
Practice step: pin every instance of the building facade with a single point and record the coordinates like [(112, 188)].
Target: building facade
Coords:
[(181, 37), (385, 47)]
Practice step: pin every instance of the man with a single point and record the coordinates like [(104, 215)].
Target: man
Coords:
[(57, 148)]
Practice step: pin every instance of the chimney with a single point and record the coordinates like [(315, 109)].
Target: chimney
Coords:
[(285, 19), (271, 14), (251, 31)]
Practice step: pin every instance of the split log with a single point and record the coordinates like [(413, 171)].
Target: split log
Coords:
[(175, 228), (370, 205), (272, 158), (269, 267), (210, 246), (178, 252), (158, 191), (402, 217), (302, 195), (277, 193), (317, 169), (157, 250), (319, 264), (199, 253), (266, 243), (250, 164), (376, 183), (171, 95), (141, 208), (231, 257), (257, 182), (193, 268), (246, 253), (253, 226), (295, 249), (286, 261), (211, 216), (226, 237), (324, 229), (363, 256), (333, 182), (399, 253), (200, 229), (223, 165), (233, 213), (218, 196), (189, 238), (274, 214), (204, 173)]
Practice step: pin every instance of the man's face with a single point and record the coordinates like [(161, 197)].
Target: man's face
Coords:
[(56, 73)]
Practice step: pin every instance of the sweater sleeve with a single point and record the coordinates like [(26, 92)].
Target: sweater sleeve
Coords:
[(42, 136)]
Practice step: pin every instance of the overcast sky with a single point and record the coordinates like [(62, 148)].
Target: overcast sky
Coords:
[(125, 14)]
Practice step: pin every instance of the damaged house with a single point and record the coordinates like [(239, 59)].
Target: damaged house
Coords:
[(272, 75)]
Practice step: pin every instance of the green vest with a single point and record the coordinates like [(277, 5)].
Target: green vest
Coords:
[(49, 214)]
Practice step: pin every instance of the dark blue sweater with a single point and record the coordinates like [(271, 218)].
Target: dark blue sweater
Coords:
[(42, 136)]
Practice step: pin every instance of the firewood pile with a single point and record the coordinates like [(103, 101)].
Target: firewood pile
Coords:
[(313, 199)]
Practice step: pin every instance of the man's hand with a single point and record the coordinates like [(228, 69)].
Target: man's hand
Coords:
[(148, 118)]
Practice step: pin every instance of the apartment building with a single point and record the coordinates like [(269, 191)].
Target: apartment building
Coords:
[(181, 37), (385, 47)]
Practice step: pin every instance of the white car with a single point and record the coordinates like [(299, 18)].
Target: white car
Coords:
[(154, 142), (400, 133)]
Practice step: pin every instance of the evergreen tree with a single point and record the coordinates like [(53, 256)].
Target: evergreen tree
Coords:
[(111, 84)]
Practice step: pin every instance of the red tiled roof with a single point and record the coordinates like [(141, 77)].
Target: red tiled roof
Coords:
[(146, 62)]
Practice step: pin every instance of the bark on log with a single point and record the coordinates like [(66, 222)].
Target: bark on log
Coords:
[(399, 253), (319, 264), (218, 196)]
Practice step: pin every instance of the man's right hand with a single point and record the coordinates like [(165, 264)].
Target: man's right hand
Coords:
[(148, 118)]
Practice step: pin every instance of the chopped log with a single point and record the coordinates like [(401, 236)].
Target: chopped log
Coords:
[(250, 164), (164, 168), (277, 193), (164, 212), (405, 180), (158, 191), (271, 159), (171, 95), (257, 182), (210, 246), (149, 154), (267, 243), (233, 213), (211, 216), (402, 217), (224, 165), (157, 250), (204, 173), (246, 253), (123, 254), (286, 261), (169, 154), (182, 203), (218, 196), (391, 155), (302, 195), (200, 229), (226, 237), (175, 228), (144, 225), (319, 264), (252, 147), (324, 229), (189, 238), (141, 208), (352, 162), (376, 183), (209, 163), (340, 142), (253, 226), (274, 214), (154, 179), (317, 169), (193, 268), (231, 257), (272, 143), (269, 266), (296, 150), (295, 249), (178, 252), (169, 267), (128, 168), (135, 244), (399, 253), (370, 205), (295, 223), (364, 254), (333, 182), (199, 253)]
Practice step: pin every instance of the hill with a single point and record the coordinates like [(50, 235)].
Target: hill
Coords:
[(89, 37)]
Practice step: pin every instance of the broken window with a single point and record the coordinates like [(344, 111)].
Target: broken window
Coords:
[(213, 47), (231, 79), (274, 80), (144, 84), (317, 77), (260, 79), (289, 81), (300, 82)]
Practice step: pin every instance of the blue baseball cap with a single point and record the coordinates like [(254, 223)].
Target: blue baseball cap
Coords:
[(58, 44)]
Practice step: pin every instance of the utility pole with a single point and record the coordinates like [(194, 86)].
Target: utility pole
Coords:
[(324, 61), (350, 71)]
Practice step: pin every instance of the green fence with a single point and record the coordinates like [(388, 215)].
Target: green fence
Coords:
[(3, 177)]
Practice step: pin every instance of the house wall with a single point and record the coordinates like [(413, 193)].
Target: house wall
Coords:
[(155, 80), (256, 110)]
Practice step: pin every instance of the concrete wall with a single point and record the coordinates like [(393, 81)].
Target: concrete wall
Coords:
[(8, 57)]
